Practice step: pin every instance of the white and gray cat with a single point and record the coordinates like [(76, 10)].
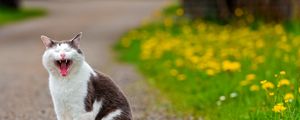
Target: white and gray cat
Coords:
[(79, 92)]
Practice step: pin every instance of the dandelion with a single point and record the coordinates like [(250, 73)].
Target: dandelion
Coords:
[(271, 93), (194, 59), (260, 59), (125, 42), (260, 43), (181, 77), (267, 85), (263, 81), (179, 62), (279, 29), (283, 82), (222, 98), (288, 97), (282, 72), (179, 12), (173, 72), (250, 77), (238, 12), (233, 95), (231, 66), (278, 108), (254, 88), (168, 22), (210, 72)]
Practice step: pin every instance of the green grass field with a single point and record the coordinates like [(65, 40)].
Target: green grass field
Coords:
[(243, 70), (10, 16)]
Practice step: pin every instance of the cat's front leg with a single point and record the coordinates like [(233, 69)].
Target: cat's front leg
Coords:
[(63, 116), (85, 116), (61, 113), (58, 111)]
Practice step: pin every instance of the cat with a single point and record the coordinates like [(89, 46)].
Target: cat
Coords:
[(78, 92)]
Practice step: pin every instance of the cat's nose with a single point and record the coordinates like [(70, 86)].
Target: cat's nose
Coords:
[(63, 55)]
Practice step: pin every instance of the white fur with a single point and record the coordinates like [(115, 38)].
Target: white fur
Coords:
[(68, 93), (112, 115), (91, 115)]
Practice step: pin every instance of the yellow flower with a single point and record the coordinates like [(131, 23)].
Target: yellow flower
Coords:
[(260, 43), (179, 62), (250, 77), (168, 22), (238, 12), (260, 59), (279, 108), (282, 72), (263, 81), (283, 82), (181, 77), (179, 12), (288, 97), (126, 42), (267, 85), (279, 29), (271, 93), (254, 88), (210, 72), (173, 72), (194, 59), (231, 66)]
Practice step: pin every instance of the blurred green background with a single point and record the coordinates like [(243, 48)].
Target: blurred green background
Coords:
[(222, 59)]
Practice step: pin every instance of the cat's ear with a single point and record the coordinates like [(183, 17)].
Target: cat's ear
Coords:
[(47, 41), (75, 41)]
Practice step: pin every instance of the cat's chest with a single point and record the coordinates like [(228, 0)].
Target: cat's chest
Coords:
[(69, 92)]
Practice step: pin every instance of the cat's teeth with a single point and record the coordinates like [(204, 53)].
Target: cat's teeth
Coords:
[(66, 61), (59, 61)]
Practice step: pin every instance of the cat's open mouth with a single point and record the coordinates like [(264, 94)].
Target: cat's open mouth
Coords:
[(63, 66)]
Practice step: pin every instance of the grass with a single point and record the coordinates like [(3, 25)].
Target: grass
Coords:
[(9, 16), (244, 70)]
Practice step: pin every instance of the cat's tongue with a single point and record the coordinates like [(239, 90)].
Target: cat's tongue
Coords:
[(63, 69)]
